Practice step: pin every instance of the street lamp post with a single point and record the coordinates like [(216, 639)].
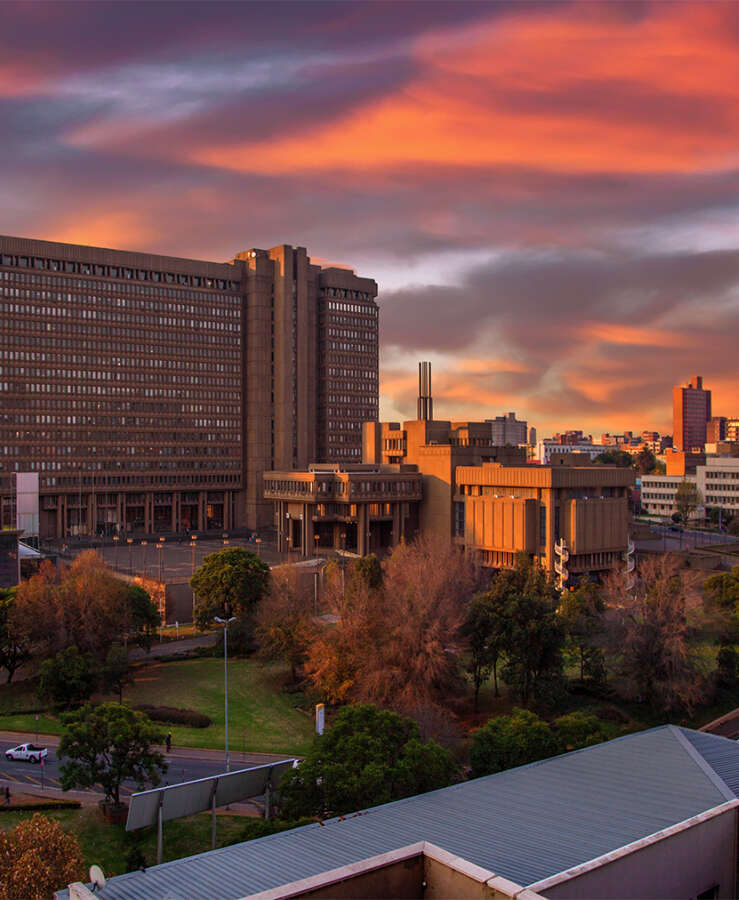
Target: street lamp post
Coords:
[(129, 541), (116, 539), (226, 623), (258, 542), (316, 540), (160, 547), (193, 545), (144, 544)]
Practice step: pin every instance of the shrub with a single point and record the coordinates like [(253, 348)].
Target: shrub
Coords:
[(44, 804), (174, 716)]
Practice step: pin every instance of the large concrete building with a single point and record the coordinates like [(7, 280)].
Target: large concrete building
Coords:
[(572, 519), (508, 429), (150, 393), (691, 412), (437, 448)]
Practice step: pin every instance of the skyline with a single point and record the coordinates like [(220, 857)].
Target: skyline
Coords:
[(558, 239)]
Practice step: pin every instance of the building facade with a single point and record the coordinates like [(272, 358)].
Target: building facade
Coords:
[(150, 393), (691, 412), (352, 507), (508, 429), (572, 519)]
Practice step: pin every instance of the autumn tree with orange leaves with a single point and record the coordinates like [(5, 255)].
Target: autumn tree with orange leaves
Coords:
[(38, 857)]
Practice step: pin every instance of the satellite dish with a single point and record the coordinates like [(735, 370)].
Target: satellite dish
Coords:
[(96, 877)]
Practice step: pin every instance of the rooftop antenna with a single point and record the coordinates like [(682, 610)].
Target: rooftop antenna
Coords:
[(425, 403)]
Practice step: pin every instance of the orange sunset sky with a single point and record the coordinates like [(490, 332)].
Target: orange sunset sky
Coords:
[(546, 193)]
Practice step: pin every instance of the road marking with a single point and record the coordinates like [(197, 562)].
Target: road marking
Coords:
[(34, 780)]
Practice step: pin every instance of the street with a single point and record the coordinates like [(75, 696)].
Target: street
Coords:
[(669, 541), (184, 765)]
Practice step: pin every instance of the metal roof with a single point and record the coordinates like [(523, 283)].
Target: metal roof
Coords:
[(525, 824)]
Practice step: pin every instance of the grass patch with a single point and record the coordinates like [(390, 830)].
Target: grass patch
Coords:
[(108, 845), (262, 718)]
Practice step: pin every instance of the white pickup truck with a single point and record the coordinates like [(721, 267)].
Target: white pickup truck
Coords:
[(27, 753)]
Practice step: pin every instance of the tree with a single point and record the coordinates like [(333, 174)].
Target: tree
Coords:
[(726, 667), (733, 526), (67, 680), (142, 616), (368, 568), (687, 500), (651, 625), (721, 599), (614, 458), (38, 857), (15, 644), (485, 629), (368, 756), (644, 461), (578, 729), (535, 635), (107, 745), (230, 582), (414, 658), (509, 741), (582, 613), (285, 625), (116, 672), (36, 611)]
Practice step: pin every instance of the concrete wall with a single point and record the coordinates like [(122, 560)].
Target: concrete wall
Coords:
[(682, 865)]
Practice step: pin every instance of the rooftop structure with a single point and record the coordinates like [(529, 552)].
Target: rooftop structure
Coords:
[(652, 814)]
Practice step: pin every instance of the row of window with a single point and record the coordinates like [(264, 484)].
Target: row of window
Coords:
[(71, 267)]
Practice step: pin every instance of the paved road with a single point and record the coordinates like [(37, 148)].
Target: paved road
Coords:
[(184, 765), (669, 541)]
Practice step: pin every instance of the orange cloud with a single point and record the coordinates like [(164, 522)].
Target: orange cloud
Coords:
[(580, 91), (633, 335)]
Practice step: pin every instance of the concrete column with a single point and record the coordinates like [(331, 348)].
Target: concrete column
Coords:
[(201, 510), (308, 542), (336, 531), (362, 529), (280, 526), (175, 511), (148, 513), (60, 530), (396, 523)]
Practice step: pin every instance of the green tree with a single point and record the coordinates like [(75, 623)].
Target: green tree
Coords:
[(116, 672), (652, 628), (368, 756), (368, 568), (687, 500), (726, 667), (15, 640), (509, 741), (614, 458), (485, 628), (69, 679), (230, 582), (733, 527), (578, 729), (644, 461), (535, 636), (582, 613), (143, 616), (106, 745)]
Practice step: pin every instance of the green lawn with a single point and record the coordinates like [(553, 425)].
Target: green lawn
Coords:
[(108, 845), (262, 718)]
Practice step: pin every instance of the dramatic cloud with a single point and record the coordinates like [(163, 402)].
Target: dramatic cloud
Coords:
[(546, 192)]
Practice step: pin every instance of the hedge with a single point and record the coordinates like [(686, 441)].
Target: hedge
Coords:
[(44, 804), (174, 716)]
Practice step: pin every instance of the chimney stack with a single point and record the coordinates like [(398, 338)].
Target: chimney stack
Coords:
[(425, 403)]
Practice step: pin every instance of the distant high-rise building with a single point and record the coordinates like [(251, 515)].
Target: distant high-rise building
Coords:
[(716, 429), (532, 436), (507, 430), (691, 411), (151, 393)]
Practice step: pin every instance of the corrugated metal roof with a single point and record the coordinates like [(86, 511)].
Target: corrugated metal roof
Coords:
[(525, 824)]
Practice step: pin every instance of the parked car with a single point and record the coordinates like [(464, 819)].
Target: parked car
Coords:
[(27, 753)]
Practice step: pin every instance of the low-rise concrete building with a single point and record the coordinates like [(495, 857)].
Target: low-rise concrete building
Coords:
[(572, 519), (355, 507)]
